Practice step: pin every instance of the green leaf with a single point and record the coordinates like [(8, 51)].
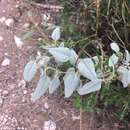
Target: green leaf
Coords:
[(61, 54), (30, 70), (73, 57), (90, 87), (41, 88), (127, 57), (87, 69), (71, 81), (54, 85), (113, 60), (124, 76)]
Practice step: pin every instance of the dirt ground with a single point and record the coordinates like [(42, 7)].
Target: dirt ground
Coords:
[(17, 112)]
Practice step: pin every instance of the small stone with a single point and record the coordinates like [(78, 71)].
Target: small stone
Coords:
[(2, 20), (9, 22), (75, 117), (18, 42), (1, 101), (0, 90), (6, 62), (1, 38), (25, 92), (13, 95), (16, 6), (3, 11), (23, 100), (5, 93), (6, 54), (46, 105), (26, 25), (49, 125), (22, 84)]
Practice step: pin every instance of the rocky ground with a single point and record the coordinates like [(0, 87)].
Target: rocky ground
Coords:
[(17, 112)]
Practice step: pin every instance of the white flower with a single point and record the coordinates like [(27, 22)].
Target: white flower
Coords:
[(115, 47)]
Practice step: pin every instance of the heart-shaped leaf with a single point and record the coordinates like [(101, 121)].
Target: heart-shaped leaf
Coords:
[(30, 70), (87, 69), (61, 54), (124, 76), (115, 47), (90, 87), (54, 84), (73, 57), (56, 34), (71, 81), (127, 57), (113, 60), (41, 88)]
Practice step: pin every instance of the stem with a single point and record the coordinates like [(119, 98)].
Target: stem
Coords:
[(125, 23), (81, 112), (118, 36), (97, 14), (108, 8), (84, 39)]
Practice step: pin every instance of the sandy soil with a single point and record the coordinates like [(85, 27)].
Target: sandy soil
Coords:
[(17, 112)]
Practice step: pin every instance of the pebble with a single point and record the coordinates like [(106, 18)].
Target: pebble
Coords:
[(6, 62), (26, 25), (22, 84), (0, 90), (25, 92), (21, 128), (5, 93), (1, 38), (3, 11), (49, 125), (75, 117), (18, 42), (46, 105), (9, 22), (1, 101), (23, 100), (2, 19), (6, 54)]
